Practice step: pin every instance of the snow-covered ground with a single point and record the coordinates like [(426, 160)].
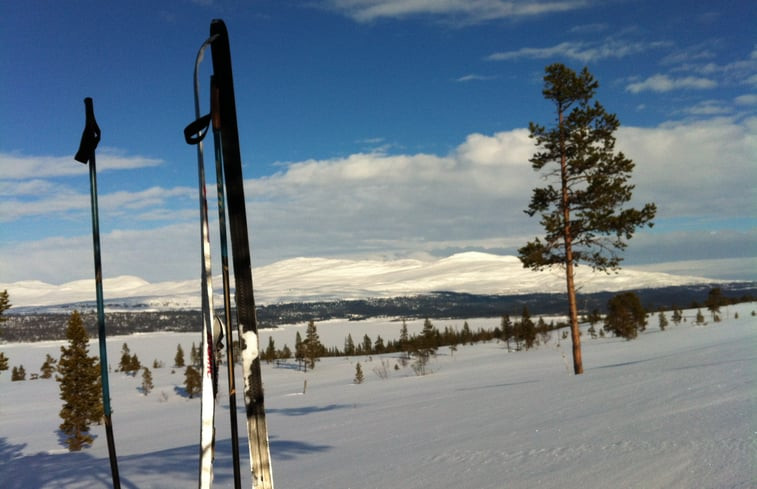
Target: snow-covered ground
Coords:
[(672, 409)]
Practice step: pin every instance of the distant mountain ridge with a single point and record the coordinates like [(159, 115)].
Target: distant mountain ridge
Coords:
[(331, 279)]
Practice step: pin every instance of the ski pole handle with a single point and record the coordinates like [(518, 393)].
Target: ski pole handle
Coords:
[(91, 135)]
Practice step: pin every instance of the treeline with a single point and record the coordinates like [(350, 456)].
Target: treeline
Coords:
[(441, 305), (521, 333)]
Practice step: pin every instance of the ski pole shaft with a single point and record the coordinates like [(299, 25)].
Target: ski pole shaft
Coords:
[(90, 139)]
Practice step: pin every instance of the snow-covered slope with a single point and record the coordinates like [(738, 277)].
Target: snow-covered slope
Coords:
[(309, 279), (671, 409)]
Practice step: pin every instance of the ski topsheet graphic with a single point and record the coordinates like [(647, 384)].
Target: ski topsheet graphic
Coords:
[(226, 137)]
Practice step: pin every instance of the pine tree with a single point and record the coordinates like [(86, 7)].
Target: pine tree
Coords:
[(79, 382), (313, 347), (583, 213), (192, 381), (700, 317), (528, 329), (178, 360), (359, 376), (48, 367), (507, 330), (147, 385), (3, 362), (299, 349), (270, 351), (124, 365), (5, 304), (662, 321), (349, 345), (625, 315), (18, 373), (195, 356)]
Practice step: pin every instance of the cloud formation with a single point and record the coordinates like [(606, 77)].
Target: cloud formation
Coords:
[(664, 83), (578, 50), (467, 11), (378, 204)]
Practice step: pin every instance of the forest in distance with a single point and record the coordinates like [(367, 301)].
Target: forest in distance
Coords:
[(29, 326)]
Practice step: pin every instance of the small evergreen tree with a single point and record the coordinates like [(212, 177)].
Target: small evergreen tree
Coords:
[(195, 356), (285, 353), (359, 376), (349, 345), (192, 381), (677, 316), (625, 315), (79, 382), (507, 330), (313, 347), (700, 317), (3, 362), (662, 321), (147, 385), (299, 349), (270, 351), (18, 373), (178, 360), (124, 365), (48, 367), (528, 329)]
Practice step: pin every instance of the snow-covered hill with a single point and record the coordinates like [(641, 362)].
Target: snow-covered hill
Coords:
[(311, 279), (671, 409)]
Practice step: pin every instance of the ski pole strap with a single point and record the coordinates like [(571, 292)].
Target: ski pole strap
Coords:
[(91, 135), (196, 131)]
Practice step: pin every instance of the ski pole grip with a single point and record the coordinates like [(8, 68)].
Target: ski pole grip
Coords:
[(91, 135)]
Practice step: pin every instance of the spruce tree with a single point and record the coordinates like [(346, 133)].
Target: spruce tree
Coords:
[(3, 362), (662, 321), (178, 360), (192, 381), (48, 367), (79, 382), (18, 373), (583, 211), (625, 315), (313, 347), (147, 384), (359, 376)]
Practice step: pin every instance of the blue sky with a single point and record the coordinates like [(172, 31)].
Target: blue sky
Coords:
[(368, 128)]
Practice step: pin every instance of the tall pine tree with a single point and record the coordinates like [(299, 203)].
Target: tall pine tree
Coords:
[(79, 382), (583, 211)]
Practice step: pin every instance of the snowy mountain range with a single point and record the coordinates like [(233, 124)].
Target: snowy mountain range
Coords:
[(323, 279)]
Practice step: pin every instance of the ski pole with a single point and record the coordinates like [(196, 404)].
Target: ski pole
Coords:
[(86, 154)]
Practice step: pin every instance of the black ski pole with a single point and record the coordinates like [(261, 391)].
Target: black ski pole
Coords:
[(86, 154)]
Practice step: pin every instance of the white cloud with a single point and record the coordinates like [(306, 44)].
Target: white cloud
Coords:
[(664, 83), (474, 77), (407, 204), (748, 99), (467, 11), (16, 166), (581, 51)]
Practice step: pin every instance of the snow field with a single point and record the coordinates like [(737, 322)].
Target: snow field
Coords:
[(672, 409)]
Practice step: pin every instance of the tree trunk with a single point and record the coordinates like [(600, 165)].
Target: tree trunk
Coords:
[(568, 240)]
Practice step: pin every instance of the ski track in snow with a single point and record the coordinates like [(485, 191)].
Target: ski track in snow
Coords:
[(672, 409)]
